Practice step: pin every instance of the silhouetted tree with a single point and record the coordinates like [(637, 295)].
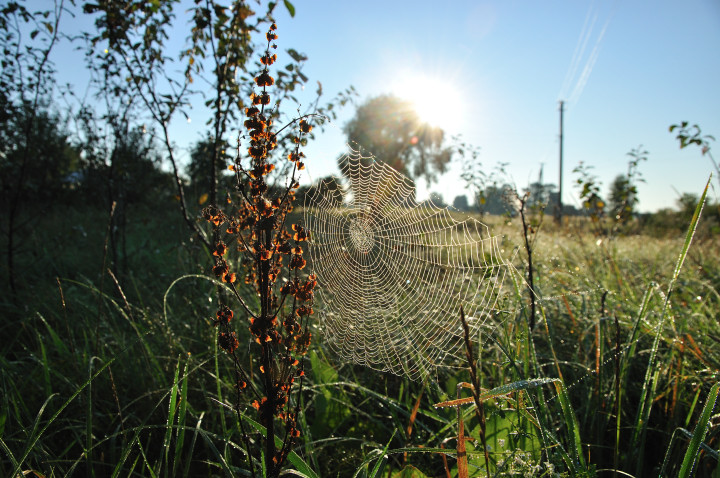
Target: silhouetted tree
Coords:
[(26, 79), (201, 165), (390, 129), (327, 188), (437, 199), (461, 203), (621, 198)]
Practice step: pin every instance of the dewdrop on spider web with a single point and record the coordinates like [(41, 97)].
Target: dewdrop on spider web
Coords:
[(393, 272)]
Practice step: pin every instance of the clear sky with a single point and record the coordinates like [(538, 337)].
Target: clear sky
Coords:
[(627, 70)]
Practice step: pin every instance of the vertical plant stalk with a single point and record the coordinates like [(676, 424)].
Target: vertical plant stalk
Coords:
[(278, 325), (479, 406), (108, 232), (618, 391), (528, 251)]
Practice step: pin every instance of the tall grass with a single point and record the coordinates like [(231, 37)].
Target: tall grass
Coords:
[(155, 397)]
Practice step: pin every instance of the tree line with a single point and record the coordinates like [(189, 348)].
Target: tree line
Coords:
[(112, 147)]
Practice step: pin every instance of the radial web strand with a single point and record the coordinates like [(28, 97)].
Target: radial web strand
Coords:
[(393, 273)]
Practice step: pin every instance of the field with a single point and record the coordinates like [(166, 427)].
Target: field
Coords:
[(119, 374)]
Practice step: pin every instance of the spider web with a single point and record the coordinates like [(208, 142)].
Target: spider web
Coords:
[(393, 272)]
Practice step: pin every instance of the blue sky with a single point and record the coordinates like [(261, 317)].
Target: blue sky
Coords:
[(628, 70)]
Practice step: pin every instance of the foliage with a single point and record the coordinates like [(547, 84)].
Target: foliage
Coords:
[(388, 128), (490, 189), (461, 203), (623, 190), (25, 83), (53, 155), (322, 186), (201, 164), (688, 135), (589, 192)]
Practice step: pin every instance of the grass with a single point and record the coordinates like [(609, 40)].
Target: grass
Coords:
[(123, 378)]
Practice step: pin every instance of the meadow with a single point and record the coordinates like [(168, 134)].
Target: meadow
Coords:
[(121, 375), (158, 318)]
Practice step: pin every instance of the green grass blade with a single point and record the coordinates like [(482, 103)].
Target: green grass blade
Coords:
[(9, 453), (34, 439), (147, 464), (182, 413), (652, 371), (186, 471), (698, 436), (381, 460), (46, 367), (572, 425), (89, 422), (172, 409), (293, 457)]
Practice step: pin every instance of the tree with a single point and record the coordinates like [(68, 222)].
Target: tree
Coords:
[(50, 155), (461, 203), (437, 199), (201, 165), (687, 202), (329, 188), (26, 79), (134, 34), (621, 198), (494, 199), (390, 129), (623, 190)]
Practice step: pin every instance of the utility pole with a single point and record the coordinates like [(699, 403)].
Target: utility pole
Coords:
[(558, 211)]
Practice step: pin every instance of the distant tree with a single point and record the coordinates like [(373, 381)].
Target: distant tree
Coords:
[(437, 199), (201, 165), (623, 190), (621, 199), (494, 199), (328, 188), (390, 129), (51, 155), (26, 80), (461, 203), (120, 174), (687, 202)]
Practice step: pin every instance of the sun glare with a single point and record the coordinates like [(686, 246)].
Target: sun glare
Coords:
[(437, 101)]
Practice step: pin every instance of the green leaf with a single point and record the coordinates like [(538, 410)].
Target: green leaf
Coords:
[(295, 55), (701, 430), (293, 457), (35, 437), (290, 8)]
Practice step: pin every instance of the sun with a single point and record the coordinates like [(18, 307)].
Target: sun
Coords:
[(436, 100)]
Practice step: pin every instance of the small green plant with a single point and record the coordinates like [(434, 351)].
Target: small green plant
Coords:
[(623, 191), (589, 193)]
